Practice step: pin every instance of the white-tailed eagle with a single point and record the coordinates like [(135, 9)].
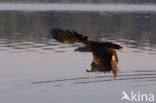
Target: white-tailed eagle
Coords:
[(104, 53)]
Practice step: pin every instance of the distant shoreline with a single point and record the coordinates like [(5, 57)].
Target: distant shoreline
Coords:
[(77, 7)]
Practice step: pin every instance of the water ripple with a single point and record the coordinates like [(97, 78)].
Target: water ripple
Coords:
[(130, 77)]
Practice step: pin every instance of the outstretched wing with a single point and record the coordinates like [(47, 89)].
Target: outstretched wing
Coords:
[(67, 36), (100, 45)]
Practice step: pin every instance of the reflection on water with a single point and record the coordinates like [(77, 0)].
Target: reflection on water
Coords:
[(25, 30), (31, 62)]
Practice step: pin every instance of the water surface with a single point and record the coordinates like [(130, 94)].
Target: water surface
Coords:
[(78, 7), (35, 68)]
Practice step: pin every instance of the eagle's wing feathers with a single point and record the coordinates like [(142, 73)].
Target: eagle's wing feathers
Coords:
[(67, 36)]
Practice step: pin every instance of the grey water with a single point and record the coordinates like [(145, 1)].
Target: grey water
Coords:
[(78, 7), (34, 68)]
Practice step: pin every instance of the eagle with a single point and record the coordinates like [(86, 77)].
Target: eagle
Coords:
[(104, 53)]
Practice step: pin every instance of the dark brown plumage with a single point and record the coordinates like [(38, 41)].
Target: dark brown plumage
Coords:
[(104, 53)]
